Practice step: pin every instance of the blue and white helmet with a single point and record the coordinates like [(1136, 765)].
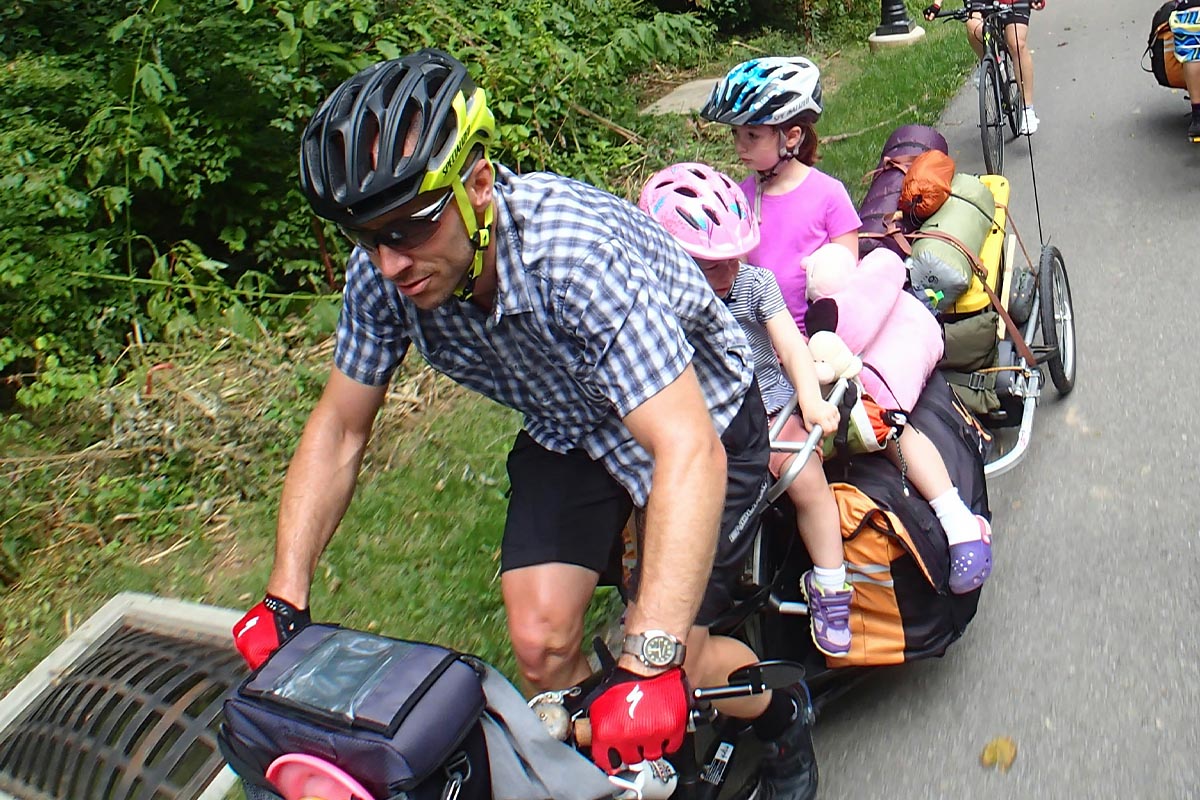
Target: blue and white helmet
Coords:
[(766, 91)]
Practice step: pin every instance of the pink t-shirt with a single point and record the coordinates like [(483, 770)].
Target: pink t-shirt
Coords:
[(794, 225)]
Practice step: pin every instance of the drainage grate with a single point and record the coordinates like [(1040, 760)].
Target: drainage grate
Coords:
[(136, 719)]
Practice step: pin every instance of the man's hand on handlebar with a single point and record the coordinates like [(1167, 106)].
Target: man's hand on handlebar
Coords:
[(638, 718), (931, 11), (266, 626)]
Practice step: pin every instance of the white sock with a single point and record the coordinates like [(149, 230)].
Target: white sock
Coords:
[(957, 520), (831, 580)]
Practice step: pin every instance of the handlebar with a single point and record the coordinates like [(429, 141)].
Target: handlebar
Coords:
[(802, 450), (657, 780), (700, 700), (961, 14)]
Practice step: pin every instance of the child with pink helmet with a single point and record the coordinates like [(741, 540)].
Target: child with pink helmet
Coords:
[(709, 216)]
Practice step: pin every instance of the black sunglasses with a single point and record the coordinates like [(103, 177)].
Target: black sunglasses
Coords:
[(402, 234)]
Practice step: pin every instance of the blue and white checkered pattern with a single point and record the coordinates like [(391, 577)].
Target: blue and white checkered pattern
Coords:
[(597, 310)]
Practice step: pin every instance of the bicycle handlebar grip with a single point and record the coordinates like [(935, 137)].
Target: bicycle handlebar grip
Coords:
[(582, 731)]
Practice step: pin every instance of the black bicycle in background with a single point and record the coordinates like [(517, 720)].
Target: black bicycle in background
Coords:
[(999, 89)]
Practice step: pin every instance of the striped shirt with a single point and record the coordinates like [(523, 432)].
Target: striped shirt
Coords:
[(597, 309), (754, 299)]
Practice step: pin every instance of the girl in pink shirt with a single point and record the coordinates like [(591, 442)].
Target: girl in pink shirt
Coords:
[(773, 105)]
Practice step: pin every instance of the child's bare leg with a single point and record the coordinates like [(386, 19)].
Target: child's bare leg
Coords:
[(824, 586), (922, 463), (969, 535), (817, 516)]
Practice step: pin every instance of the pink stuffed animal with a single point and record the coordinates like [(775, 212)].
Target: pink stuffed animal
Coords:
[(895, 335)]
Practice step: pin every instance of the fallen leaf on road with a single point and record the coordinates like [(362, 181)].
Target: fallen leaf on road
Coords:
[(999, 752)]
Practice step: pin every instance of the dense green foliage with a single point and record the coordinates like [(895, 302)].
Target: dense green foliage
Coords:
[(166, 480), (148, 150)]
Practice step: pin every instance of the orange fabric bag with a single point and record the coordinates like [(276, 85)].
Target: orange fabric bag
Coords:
[(927, 184)]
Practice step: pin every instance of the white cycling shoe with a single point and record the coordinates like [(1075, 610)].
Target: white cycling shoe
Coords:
[(1029, 123)]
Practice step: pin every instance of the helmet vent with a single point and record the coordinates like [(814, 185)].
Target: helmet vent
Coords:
[(363, 163)]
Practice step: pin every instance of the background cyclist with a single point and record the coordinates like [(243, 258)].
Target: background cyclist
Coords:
[(1016, 30), (1185, 27)]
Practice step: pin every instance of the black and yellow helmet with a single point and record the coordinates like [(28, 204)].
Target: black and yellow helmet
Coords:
[(430, 121)]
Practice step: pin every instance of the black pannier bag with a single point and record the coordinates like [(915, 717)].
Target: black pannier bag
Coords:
[(398, 716), (1160, 46)]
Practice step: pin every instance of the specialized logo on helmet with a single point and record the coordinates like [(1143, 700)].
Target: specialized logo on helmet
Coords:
[(460, 111)]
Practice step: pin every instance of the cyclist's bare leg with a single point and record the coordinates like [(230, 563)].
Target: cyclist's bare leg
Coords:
[(546, 605), (975, 34), (1191, 79), (710, 660), (817, 516), (1017, 35)]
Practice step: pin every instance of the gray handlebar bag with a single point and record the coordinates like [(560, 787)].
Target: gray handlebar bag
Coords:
[(404, 718), (400, 716)]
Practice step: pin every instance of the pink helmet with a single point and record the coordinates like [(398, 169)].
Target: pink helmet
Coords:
[(703, 209)]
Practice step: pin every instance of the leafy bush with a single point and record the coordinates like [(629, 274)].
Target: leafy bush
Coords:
[(148, 150)]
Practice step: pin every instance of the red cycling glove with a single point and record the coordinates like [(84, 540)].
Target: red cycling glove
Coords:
[(638, 718), (266, 626)]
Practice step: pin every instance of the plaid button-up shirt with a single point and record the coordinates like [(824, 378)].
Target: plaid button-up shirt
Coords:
[(597, 309)]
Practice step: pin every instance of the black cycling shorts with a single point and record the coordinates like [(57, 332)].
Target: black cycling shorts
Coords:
[(1019, 11), (566, 508)]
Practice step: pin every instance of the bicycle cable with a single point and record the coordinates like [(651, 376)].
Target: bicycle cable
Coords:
[(1037, 206)]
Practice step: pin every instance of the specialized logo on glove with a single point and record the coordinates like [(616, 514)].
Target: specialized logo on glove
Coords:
[(637, 718), (633, 698)]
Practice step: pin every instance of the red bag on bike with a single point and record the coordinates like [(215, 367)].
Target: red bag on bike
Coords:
[(927, 184)]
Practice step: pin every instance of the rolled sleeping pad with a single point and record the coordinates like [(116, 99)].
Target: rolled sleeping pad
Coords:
[(991, 254), (882, 199), (967, 216)]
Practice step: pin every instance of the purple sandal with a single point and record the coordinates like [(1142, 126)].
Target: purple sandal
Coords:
[(971, 562)]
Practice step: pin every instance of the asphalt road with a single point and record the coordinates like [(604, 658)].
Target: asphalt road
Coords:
[(1085, 647)]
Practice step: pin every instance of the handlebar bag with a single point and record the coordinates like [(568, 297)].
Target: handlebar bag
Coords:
[(399, 716)]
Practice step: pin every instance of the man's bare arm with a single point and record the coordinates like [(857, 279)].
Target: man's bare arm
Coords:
[(320, 482), (683, 514)]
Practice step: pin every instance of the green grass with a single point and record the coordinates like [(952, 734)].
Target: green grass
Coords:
[(867, 95), (417, 555)]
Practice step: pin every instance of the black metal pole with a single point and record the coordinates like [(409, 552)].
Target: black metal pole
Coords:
[(893, 19)]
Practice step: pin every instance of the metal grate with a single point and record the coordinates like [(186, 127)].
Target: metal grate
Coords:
[(135, 720)]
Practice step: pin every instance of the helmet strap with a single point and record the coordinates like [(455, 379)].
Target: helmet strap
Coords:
[(785, 154), (480, 236)]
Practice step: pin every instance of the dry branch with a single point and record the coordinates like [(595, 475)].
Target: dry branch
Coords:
[(838, 137), (629, 135)]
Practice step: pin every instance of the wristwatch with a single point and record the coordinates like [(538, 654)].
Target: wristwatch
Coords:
[(654, 648)]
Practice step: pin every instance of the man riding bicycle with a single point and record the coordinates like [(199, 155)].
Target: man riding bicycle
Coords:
[(571, 306)]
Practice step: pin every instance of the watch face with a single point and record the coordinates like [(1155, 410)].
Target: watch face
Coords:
[(659, 650)]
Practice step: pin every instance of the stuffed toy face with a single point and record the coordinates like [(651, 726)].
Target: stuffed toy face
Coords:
[(828, 270)]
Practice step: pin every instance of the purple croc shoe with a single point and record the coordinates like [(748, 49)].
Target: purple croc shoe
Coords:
[(971, 562)]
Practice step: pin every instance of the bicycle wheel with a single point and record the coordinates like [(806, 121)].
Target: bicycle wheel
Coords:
[(991, 126), (1057, 319), (1010, 94)]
